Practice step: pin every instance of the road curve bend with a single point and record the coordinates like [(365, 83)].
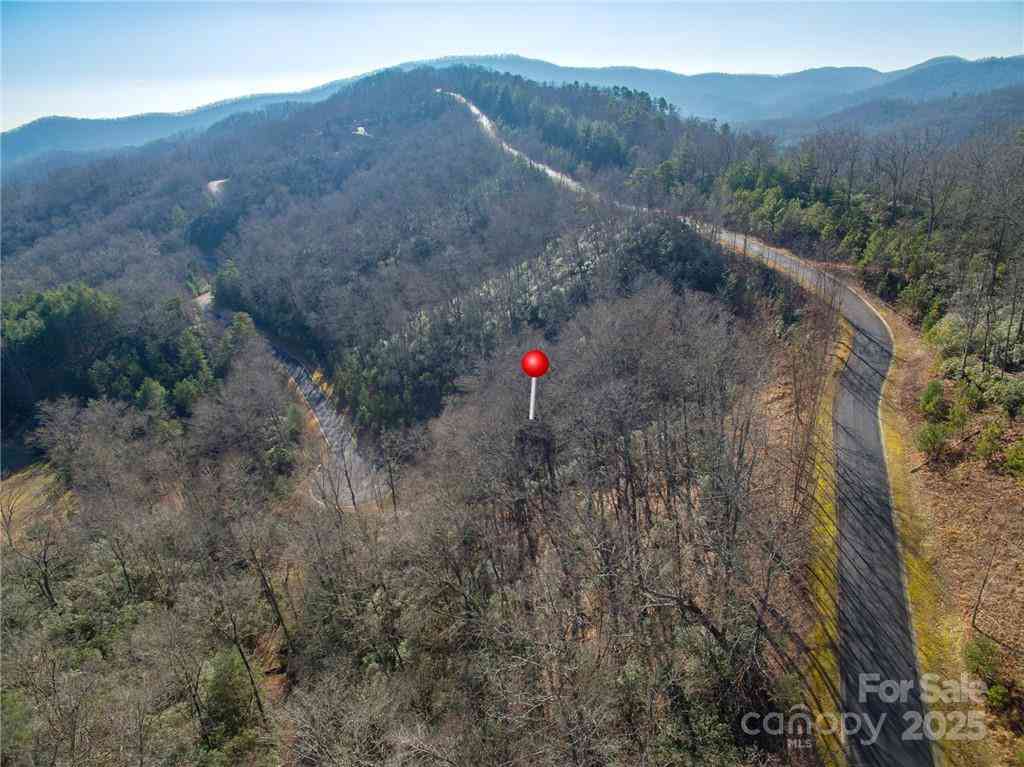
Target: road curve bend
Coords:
[(876, 641), (342, 454)]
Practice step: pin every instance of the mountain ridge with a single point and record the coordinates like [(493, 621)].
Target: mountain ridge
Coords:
[(955, 117), (727, 97), (59, 133)]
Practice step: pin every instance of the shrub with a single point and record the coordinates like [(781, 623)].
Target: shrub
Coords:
[(933, 401), (228, 697), (990, 442), (17, 721), (958, 417), (1014, 462), (186, 393), (1007, 349), (971, 396), (972, 370), (998, 697), (931, 439), (949, 334), (917, 299), (248, 748), (981, 656), (151, 395), (933, 316), (1012, 397)]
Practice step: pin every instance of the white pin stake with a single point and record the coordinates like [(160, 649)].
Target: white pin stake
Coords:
[(535, 364)]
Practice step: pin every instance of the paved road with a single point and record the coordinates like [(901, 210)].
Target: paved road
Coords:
[(487, 126), (874, 622), (334, 427), (875, 638)]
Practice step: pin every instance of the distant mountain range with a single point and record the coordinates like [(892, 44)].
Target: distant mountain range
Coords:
[(957, 117), (787, 104), (807, 94), (75, 135)]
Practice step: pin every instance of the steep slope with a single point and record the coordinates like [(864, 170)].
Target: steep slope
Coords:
[(875, 635), (355, 247), (328, 236)]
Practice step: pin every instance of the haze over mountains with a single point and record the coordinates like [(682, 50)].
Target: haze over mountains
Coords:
[(75, 134), (748, 97), (788, 104), (955, 117)]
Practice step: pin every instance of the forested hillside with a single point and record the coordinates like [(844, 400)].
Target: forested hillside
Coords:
[(925, 213), (191, 577), (328, 237), (928, 215)]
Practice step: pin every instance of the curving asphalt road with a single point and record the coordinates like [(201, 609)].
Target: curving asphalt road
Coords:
[(874, 633), (334, 428), (875, 636), (337, 434)]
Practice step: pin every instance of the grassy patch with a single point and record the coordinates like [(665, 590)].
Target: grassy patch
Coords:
[(31, 486), (824, 673)]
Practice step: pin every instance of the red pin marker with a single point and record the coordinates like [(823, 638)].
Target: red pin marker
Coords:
[(535, 364)]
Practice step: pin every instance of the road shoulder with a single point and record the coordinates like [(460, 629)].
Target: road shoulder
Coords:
[(942, 526)]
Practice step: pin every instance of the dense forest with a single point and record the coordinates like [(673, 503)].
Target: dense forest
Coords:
[(331, 239), (928, 217), (191, 578)]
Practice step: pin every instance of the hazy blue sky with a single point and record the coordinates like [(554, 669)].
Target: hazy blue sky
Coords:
[(107, 59)]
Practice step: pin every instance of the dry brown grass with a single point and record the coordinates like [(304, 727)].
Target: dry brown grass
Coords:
[(31, 489), (961, 526)]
